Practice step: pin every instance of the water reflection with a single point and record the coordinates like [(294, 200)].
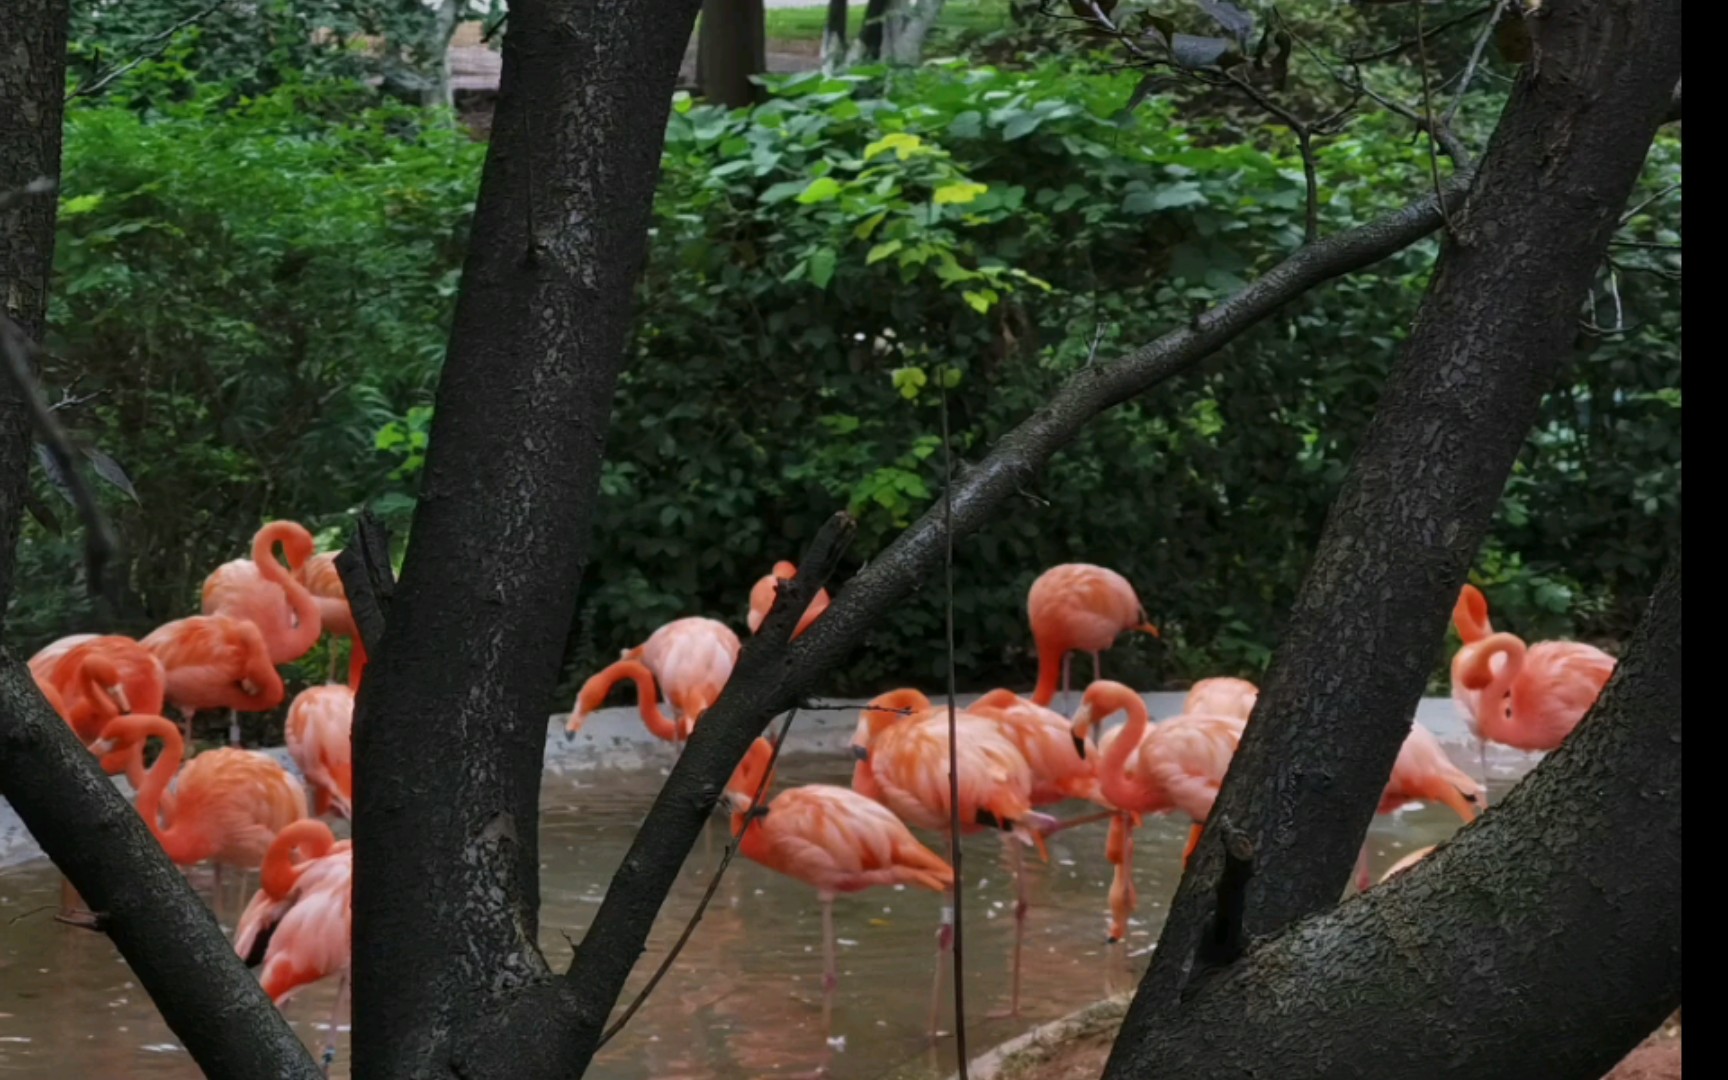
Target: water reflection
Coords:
[(744, 999)]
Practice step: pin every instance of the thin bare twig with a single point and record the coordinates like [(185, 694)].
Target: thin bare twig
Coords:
[(100, 543), (161, 41), (1428, 120), (1464, 81), (1647, 203), (953, 726), (750, 817), (1652, 245), (1304, 142), (1402, 46)]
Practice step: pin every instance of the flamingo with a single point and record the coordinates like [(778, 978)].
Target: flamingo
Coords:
[(320, 577), (1525, 696), (215, 662), (226, 807), (262, 592), (1424, 772), (1176, 765), (594, 691), (762, 598), (691, 659), (299, 925), (319, 736), (1405, 863), (831, 839), (72, 909), (1078, 606), (135, 682), (1223, 696), (901, 746)]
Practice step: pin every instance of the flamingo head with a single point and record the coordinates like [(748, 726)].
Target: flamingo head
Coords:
[(117, 693), (751, 779), (1470, 615), (882, 713), (1102, 700)]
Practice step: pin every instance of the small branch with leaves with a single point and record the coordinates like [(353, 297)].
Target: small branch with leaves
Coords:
[(154, 47)]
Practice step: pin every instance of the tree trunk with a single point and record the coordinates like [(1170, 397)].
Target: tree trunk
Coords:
[(834, 36), (731, 49), (1543, 941), (446, 842), (907, 28), (870, 36), (160, 926), (1498, 320)]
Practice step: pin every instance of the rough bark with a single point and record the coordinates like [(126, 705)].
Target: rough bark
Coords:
[(834, 35), (870, 35), (446, 888), (161, 927), (1497, 323), (32, 100), (907, 28), (731, 49), (1544, 941)]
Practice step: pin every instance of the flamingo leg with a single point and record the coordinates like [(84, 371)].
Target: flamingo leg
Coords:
[(329, 1054), (1362, 881), (1193, 842), (944, 942), (1021, 904), (233, 727), (1097, 666), (1067, 686), (830, 968), (331, 675)]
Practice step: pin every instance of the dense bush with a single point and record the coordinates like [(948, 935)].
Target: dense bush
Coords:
[(824, 270)]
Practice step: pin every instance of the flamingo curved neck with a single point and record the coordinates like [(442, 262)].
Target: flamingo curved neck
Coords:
[(1112, 771), (647, 696), (1498, 683), (173, 840), (1049, 675), (309, 837), (308, 619)]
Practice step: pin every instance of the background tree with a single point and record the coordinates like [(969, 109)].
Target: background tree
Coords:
[(731, 51)]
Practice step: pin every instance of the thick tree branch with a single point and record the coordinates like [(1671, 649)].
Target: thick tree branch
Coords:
[(367, 579), (1578, 960), (1496, 325), (141, 899), (476, 626)]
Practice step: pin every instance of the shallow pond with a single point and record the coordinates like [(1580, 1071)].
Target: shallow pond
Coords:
[(744, 999)]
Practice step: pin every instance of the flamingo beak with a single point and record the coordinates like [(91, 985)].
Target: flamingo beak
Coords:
[(102, 747), (1150, 629), (118, 693), (1080, 747), (249, 688), (1464, 804), (860, 753)]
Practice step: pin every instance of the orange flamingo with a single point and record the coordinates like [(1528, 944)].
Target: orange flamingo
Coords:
[(1222, 696), (319, 736), (691, 660), (1144, 769), (1527, 697), (832, 839), (260, 591), (299, 925), (901, 746), (762, 598), (135, 682), (226, 807), (1079, 607), (320, 577), (1405, 863), (594, 691), (72, 909), (54, 650), (1423, 772), (215, 662)]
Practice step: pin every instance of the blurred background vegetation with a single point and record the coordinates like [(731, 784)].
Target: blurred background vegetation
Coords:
[(258, 255)]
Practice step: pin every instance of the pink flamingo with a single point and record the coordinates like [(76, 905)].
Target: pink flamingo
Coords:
[(319, 736), (1222, 696), (1423, 772), (320, 577), (594, 691), (1176, 765), (260, 591), (72, 908), (299, 925), (1079, 607), (901, 744), (691, 660), (1527, 697), (832, 839), (215, 662), (762, 598), (226, 807), (134, 682)]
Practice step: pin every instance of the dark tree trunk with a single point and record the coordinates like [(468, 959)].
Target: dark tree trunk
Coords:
[(1543, 941), (731, 48), (446, 963), (870, 35), (834, 33), (161, 927), (32, 96), (1498, 321)]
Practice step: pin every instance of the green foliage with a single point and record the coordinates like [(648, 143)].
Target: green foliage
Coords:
[(254, 289), (266, 292)]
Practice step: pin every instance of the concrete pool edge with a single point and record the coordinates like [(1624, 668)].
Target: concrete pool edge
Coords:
[(1033, 1047)]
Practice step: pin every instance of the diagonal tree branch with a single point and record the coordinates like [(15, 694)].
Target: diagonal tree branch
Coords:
[(1580, 868)]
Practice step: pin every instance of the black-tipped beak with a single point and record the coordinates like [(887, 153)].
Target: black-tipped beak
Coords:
[(861, 753), (1080, 747), (1471, 798), (569, 736), (990, 820)]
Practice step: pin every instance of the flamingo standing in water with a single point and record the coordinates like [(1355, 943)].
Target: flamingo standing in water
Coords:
[(762, 598), (299, 925), (320, 577), (1144, 769), (1423, 772), (133, 681), (833, 839), (226, 807), (594, 691), (215, 662), (1527, 697), (1223, 696), (319, 733), (690, 659), (901, 744), (260, 591), (1079, 607)]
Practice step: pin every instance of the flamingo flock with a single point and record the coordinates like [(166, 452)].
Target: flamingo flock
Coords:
[(237, 810), (1016, 756)]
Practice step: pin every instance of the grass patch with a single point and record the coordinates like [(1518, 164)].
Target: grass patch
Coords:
[(805, 23)]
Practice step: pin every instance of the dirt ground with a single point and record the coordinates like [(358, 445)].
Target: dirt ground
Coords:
[(1082, 1058)]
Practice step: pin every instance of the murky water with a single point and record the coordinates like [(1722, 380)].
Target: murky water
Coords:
[(744, 999)]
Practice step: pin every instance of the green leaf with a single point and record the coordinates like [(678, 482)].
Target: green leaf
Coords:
[(902, 143), (909, 380), (882, 251), (782, 191), (822, 267), (1021, 125), (980, 301), (80, 204), (821, 189), (959, 192)]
